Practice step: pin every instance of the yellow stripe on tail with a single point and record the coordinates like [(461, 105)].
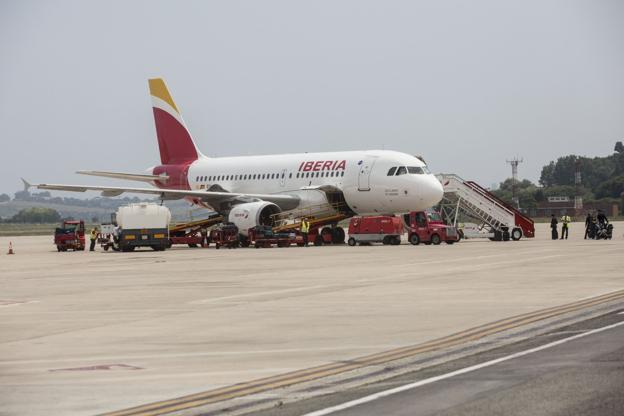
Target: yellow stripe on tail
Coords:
[(158, 89)]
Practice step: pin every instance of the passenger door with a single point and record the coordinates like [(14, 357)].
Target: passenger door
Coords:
[(283, 178), (365, 168)]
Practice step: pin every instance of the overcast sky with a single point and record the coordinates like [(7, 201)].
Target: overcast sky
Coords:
[(466, 84)]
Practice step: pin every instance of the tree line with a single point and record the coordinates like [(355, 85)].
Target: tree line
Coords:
[(602, 180)]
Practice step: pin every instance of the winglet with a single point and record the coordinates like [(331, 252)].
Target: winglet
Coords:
[(27, 185)]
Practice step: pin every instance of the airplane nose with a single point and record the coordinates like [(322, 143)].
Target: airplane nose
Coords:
[(434, 191)]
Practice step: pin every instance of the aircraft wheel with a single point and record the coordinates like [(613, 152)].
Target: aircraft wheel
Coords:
[(327, 235)]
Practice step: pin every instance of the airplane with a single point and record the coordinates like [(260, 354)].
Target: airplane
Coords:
[(249, 190)]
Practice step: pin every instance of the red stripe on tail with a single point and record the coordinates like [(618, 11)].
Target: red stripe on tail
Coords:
[(174, 140)]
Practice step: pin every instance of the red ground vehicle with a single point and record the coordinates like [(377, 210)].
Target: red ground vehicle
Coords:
[(71, 236), (427, 227), (225, 235), (377, 229)]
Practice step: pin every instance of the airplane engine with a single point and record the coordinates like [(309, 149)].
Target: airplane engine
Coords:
[(248, 215)]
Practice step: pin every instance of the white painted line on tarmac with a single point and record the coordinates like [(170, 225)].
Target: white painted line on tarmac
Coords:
[(254, 294), (390, 392), (621, 313), (10, 304)]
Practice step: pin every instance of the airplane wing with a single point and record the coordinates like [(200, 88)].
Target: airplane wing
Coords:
[(122, 175), (216, 200)]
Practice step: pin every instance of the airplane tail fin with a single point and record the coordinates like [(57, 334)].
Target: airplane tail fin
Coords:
[(174, 140)]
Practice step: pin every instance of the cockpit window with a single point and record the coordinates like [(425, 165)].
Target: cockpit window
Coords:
[(426, 170), (415, 170), (391, 171), (401, 171)]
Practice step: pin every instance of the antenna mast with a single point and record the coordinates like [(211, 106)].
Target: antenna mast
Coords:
[(514, 179)]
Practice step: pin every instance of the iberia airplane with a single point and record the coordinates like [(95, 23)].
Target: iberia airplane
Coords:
[(250, 189)]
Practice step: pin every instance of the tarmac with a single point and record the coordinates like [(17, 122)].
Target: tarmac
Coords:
[(86, 333)]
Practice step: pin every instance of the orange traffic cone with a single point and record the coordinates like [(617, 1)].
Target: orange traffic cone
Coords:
[(10, 248)]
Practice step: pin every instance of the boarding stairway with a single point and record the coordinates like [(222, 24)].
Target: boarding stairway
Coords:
[(473, 201)]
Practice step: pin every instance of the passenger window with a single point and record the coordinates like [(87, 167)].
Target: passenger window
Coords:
[(401, 171), (307, 174), (342, 174), (290, 175), (391, 171)]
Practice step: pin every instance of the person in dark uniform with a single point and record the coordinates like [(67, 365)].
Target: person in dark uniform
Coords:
[(602, 218), (588, 223), (553, 227)]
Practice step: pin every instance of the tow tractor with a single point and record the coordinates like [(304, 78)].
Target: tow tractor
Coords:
[(70, 236), (427, 227)]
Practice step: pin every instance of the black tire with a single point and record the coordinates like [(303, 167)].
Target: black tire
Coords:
[(435, 239), (351, 241), (217, 246), (59, 249), (396, 240), (414, 239), (498, 236), (106, 247), (449, 241), (338, 235), (192, 245), (506, 236), (516, 234), (386, 240), (318, 240)]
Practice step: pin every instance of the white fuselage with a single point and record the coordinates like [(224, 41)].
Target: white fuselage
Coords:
[(362, 176)]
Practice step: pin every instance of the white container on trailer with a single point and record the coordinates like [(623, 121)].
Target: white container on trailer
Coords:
[(143, 216)]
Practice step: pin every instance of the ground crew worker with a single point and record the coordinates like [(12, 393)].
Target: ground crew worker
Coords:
[(93, 236), (602, 218), (553, 226), (588, 222), (305, 228), (565, 220)]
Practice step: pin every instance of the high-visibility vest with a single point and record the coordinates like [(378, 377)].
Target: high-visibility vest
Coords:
[(305, 226), (93, 234), (565, 219)]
